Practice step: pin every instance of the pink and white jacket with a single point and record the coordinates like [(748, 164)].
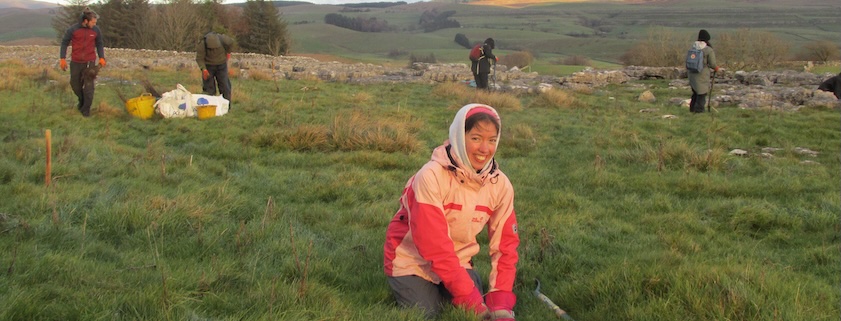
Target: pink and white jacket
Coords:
[(442, 209)]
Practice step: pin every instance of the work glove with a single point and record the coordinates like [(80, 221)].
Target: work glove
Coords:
[(228, 56), (205, 74), (102, 62), (472, 302), (501, 304), (62, 63)]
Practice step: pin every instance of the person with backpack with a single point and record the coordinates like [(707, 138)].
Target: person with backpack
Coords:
[(212, 54), (699, 60), (481, 58), (85, 38), (431, 240), (832, 85)]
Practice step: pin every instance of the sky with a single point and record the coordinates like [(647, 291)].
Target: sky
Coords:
[(353, 1), (312, 1)]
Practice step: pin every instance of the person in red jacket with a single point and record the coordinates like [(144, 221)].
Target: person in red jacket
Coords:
[(431, 239), (86, 41)]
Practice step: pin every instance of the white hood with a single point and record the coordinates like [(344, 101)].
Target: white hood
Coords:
[(457, 138)]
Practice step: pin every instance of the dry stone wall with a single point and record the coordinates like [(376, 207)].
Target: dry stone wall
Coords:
[(788, 90)]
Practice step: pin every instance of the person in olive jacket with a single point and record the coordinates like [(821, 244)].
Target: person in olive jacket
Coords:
[(700, 81), (212, 54), (482, 67), (832, 85)]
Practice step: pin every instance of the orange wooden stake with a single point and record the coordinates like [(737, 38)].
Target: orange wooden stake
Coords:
[(47, 176)]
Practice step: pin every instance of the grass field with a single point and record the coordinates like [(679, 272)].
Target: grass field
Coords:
[(278, 210)]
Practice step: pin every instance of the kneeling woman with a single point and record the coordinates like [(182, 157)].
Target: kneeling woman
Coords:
[(431, 240)]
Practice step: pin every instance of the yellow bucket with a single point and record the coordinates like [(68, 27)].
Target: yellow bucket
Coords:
[(141, 107), (206, 111)]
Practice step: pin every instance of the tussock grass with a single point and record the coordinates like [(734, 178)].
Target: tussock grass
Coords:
[(310, 137), (277, 210), (464, 95), (452, 90), (358, 132), (500, 101), (556, 99), (254, 74)]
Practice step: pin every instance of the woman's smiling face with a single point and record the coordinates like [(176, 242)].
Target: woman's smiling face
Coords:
[(480, 143)]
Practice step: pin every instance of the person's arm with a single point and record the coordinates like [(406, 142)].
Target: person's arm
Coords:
[(100, 43), (711, 63), (65, 41), (200, 54), (431, 236), (503, 242), (488, 52), (228, 43)]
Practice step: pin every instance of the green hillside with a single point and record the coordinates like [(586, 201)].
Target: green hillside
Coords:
[(601, 31)]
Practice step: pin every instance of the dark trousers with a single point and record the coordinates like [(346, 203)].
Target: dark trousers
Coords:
[(413, 291), (481, 80), (696, 104), (83, 86), (218, 78)]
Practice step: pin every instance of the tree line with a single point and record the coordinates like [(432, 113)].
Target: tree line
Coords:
[(358, 23), (430, 20), (177, 25)]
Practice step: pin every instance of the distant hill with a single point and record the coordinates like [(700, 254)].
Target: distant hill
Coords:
[(552, 30), (20, 26), (27, 4)]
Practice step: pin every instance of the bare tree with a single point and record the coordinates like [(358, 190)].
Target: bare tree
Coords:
[(820, 51), (67, 16), (750, 49), (661, 48), (179, 25)]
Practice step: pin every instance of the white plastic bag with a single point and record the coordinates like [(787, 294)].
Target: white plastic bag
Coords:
[(176, 104)]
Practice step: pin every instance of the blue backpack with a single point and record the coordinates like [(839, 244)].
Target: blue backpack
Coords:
[(695, 60)]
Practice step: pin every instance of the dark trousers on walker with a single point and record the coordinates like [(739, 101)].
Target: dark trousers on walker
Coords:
[(218, 78), (413, 291), (481, 80), (696, 104), (83, 85)]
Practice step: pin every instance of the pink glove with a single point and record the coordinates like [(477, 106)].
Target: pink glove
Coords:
[(471, 302), (205, 74), (501, 304)]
